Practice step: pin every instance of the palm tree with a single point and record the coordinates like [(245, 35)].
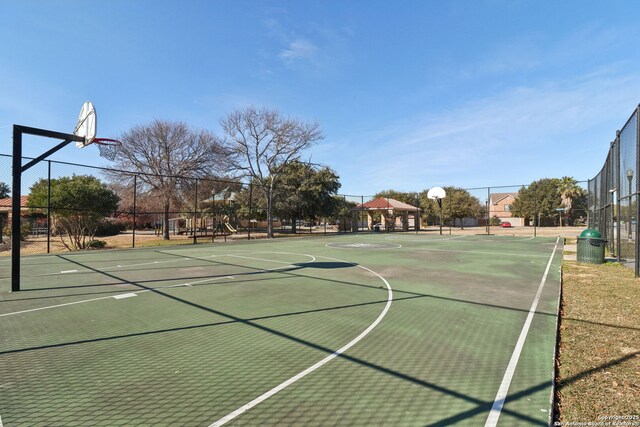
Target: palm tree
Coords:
[(569, 190)]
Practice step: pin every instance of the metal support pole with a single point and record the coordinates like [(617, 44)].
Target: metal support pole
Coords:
[(250, 207), (215, 217), (362, 215), (488, 210), (15, 208), (48, 206), (16, 186), (195, 214), (450, 216), (637, 242), (416, 219), (135, 191), (536, 218), (617, 186), (440, 204), (589, 196)]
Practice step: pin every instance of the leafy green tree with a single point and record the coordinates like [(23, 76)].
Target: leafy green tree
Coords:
[(343, 212), (429, 210), (459, 204), (5, 191), (303, 192), (258, 203), (404, 197), (78, 204), (539, 201)]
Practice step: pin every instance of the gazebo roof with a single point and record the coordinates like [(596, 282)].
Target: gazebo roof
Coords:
[(382, 203)]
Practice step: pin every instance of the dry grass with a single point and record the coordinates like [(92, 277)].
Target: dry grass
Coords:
[(599, 354)]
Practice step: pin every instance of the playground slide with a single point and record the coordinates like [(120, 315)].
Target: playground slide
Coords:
[(230, 228)]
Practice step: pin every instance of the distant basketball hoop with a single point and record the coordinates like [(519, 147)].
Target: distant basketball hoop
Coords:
[(437, 194)]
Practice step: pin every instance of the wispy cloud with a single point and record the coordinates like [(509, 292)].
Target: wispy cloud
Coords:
[(512, 137), (299, 49), (316, 49)]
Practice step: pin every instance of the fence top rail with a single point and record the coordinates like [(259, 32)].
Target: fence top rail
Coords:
[(635, 111), (230, 181)]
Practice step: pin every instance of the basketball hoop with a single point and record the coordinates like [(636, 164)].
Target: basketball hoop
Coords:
[(87, 127), (106, 141), (437, 194)]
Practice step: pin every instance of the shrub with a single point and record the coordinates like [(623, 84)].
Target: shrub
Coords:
[(494, 220), (25, 229), (110, 227), (97, 244)]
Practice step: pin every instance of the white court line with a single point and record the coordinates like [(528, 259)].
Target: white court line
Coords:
[(54, 306), (244, 408), (122, 296), (154, 289), (423, 239), (498, 403), (260, 259), (479, 252)]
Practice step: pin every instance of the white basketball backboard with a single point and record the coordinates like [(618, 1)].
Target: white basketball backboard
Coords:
[(87, 125), (436, 193)]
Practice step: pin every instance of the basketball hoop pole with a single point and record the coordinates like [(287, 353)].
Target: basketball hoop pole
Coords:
[(440, 204), (16, 176)]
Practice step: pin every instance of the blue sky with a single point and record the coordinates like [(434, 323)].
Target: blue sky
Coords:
[(409, 94)]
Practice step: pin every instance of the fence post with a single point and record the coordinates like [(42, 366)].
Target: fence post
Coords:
[(617, 186), (133, 234), (535, 212), (195, 214), (250, 207), (16, 187), (637, 244), (48, 206), (488, 210)]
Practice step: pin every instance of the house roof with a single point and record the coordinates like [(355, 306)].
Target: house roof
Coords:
[(385, 203), (6, 203), (497, 197)]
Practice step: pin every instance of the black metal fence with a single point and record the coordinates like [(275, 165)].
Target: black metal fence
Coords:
[(193, 210), (613, 195)]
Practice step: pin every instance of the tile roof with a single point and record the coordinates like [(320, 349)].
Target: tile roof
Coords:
[(7, 202), (496, 197), (384, 203)]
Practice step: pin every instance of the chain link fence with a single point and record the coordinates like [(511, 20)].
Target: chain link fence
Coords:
[(154, 210), (613, 195)]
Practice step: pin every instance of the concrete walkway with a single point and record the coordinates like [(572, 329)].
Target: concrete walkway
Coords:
[(570, 252)]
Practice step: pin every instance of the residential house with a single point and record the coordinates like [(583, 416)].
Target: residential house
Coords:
[(500, 205)]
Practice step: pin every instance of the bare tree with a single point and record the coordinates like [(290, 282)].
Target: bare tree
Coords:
[(162, 153), (261, 143)]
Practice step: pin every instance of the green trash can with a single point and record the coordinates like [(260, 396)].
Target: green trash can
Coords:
[(591, 247)]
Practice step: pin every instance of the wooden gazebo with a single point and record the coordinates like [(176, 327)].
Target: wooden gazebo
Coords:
[(394, 214)]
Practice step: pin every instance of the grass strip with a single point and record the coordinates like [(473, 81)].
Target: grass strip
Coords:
[(598, 377)]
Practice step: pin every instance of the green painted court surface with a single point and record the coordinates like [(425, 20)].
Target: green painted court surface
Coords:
[(408, 329)]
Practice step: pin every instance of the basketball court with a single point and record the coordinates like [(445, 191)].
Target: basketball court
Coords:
[(359, 329)]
